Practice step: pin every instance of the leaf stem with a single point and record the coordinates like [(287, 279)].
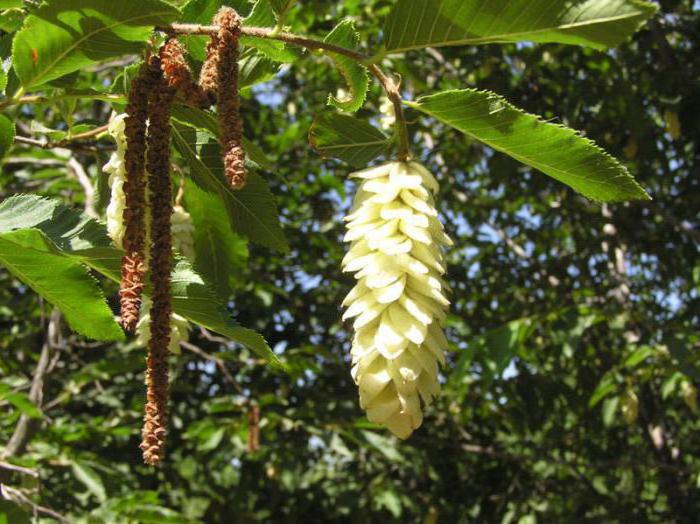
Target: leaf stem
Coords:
[(390, 86)]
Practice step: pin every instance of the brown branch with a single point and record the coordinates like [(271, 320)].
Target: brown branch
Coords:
[(15, 495), (50, 162), (263, 32), (391, 87), (219, 362), (76, 168), (19, 469), (512, 244), (68, 142), (43, 99)]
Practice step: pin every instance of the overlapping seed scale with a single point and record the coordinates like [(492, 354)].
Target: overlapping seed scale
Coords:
[(399, 300)]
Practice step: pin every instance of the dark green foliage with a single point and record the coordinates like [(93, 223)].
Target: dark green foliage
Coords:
[(549, 331)]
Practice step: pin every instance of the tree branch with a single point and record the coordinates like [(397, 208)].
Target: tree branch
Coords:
[(15, 495), (68, 142), (26, 427), (216, 360), (77, 169), (391, 87)]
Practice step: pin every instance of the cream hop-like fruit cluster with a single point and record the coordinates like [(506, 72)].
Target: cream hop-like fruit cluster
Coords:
[(399, 301)]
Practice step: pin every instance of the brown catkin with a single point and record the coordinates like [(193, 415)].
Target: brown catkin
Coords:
[(178, 74), (207, 75), (133, 265), (228, 100), (160, 264)]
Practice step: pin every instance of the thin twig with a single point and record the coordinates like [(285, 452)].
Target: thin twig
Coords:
[(26, 427), (68, 142), (216, 360), (48, 162), (10, 493), (77, 169), (19, 469), (213, 338), (264, 32), (43, 99), (512, 244)]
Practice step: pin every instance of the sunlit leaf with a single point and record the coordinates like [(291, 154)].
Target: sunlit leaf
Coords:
[(66, 35), (348, 138), (558, 151), (600, 24)]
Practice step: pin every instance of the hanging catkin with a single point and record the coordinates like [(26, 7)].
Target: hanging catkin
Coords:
[(133, 264), (207, 76), (160, 263), (178, 74), (228, 100)]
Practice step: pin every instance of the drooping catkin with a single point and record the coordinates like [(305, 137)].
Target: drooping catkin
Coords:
[(228, 99), (133, 263), (160, 264), (207, 76), (178, 74)]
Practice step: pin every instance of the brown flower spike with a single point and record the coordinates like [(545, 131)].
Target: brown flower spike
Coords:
[(160, 193), (133, 264), (207, 76), (178, 74), (228, 101)]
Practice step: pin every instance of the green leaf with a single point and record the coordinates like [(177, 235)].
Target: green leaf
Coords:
[(384, 445), (639, 355), (558, 151), (221, 253), (600, 24), (609, 409), (281, 7), (89, 477), (390, 500), (20, 400), (606, 386), (204, 120), (254, 68), (262, 15), (355, 75), (7, 4), (7, 135), (14, 513), (66, 35), (671, 384), (11, 19), (252, 210), (191, 297), (35, 260), (85, 241), (66, 228), (348, 138), (502, 344)]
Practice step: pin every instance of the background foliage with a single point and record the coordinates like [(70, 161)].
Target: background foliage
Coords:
[(564, 310)]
